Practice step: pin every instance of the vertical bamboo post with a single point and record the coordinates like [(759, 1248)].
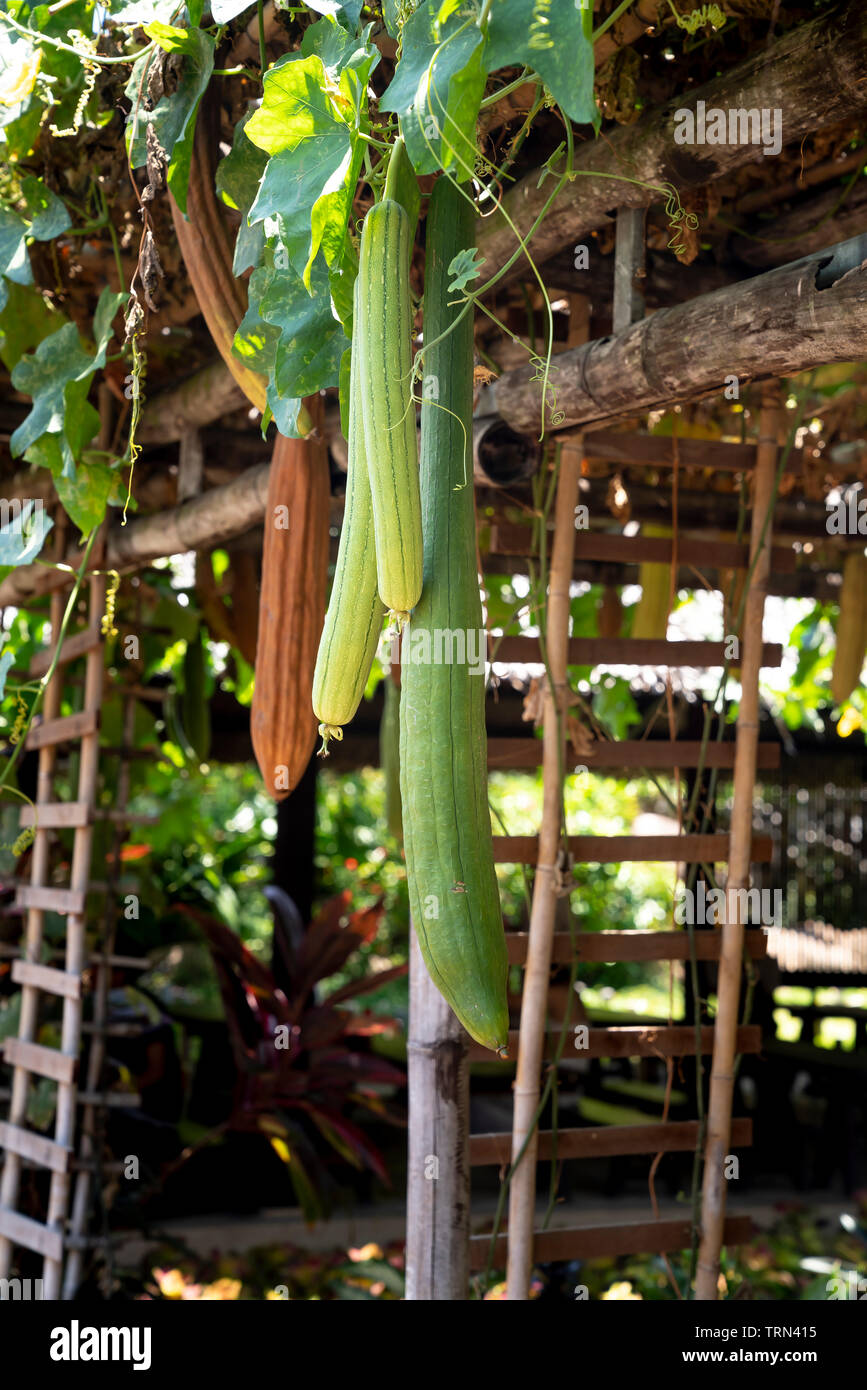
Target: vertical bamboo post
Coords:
[(438, 1178), (522, 1194), (740, 843)]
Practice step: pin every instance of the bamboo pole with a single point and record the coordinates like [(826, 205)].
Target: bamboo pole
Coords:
[(438, 1177), (522, 1194), (731, 953)]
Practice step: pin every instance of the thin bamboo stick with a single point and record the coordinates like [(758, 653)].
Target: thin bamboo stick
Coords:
[(522, 1194), (438, 1176), (731, 953)]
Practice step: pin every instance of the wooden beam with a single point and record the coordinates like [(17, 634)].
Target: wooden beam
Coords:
[(21, 1230), (606, 1141), (202, 523), (591, 1242), (632, 449), (629, 651), (63, 900), (653, 1040), (633, 849), (814, 75), (626, 754), (46, 978), (43, 1061), (34, 1147), (75, 645), (57, 815), (63, 730), (507, 538), (608, 946), (806, 314), (208, 395)]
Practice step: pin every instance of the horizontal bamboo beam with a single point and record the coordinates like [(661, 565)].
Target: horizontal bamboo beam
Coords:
[(805, 314), (606, 1141), (592, 1242), (199, 524), (814, 75), (609, 946), (632, 849)]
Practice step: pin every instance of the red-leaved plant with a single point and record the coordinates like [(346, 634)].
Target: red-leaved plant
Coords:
[(299, 1073)]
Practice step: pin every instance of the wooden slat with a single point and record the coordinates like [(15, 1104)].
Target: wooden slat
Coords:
[(590, 1242), (77, 645), (43, 1061), (31, 1234), (664, 1040), (658, 450), (628, 753), (34, 1147), (57, 815), (46, 978), (608, 547), (632, 849), (611, 946), (68, 900), (630, 651), (114, 1100), (71, 726), (606, 1141)]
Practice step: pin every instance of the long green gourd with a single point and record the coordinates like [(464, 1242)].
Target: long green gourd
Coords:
[(353, 622), (383, 327), (453, 890)]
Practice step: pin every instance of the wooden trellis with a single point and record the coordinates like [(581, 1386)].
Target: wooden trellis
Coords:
[(27, 1057)]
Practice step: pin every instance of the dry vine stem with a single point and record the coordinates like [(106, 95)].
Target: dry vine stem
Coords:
[(534, 1004), (740, 843)]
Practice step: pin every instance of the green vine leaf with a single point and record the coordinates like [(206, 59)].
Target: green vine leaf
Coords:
[(86, 496), (25, 320), (174, 116), (6, 660), (224, 11), (23, 535), (237, 181), (48, 213), (14, 260), (57, 377), (560, 50), (465, 268), (437, 90), (309, 123), (289, 336), (350, 8)]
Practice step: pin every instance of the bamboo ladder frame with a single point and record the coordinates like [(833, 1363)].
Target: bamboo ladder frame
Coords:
[(732, 947), (27, 1057)]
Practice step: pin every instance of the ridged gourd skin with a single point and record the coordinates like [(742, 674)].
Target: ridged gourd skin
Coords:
[(291, 608), (453, 892), (389, 757), (353, 622), (383, 330), (851, 643)]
